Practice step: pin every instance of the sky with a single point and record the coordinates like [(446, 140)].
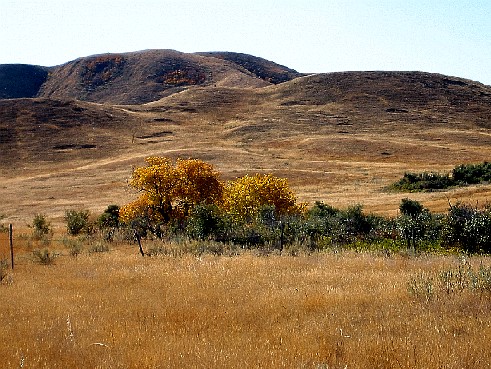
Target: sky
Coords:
[(450, 37)]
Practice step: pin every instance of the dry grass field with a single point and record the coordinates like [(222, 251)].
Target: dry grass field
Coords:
[(324, 310)]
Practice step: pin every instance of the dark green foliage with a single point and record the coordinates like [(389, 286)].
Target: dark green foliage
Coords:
[(143, 226), (342, 226), (41, 226), (353, 223), (110, 217), (418, 230), (44, 256), (108, 222), (411, 208), (427, 181), (322, 210), (461, 175), (77, 221), (323, 227), (472, 173), (416, 225), (468, 228), (207, 221)]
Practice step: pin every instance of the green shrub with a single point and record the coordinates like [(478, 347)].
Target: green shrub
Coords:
[(468, 228), (466, 174), (427, 181), (41, 227), (77, 221), (74, 246), (411, 208), (99, 247), (108, 222), (44, 256), (421, 230), (461, 175), (206, 221)]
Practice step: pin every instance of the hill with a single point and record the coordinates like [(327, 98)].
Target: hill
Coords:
[(139, 77), (337, 137), (21, 80), (262, 68)]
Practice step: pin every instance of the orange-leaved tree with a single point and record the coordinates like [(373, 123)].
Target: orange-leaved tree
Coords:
[(169, 190), (245, 196)]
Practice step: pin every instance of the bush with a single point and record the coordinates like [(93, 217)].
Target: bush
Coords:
[(343, 227), (44, 256), (75, 246), (77, 221), (468, 228), (41, 227), (461, 175), (108, 222), (411, 208), (427, 181), (99, 247), (472, 173), (206, 221)]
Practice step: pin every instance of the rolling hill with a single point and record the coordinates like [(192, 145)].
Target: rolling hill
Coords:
[(139, 77), (21, 80), (337, 137)]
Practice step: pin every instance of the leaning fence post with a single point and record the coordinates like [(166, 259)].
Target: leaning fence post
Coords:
[(11, 243)]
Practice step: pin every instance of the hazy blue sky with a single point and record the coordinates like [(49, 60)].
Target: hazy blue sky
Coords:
[(450, 37)]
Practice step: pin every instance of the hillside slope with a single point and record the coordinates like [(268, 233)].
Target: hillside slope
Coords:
[(21, 80), (337, 137), (262, 68), (36, 132)]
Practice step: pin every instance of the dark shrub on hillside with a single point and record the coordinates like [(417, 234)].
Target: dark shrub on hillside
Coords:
[(109, 218), (421, 228), (461, 175), (472, 173), (343, 226), (108, 222), (41, 226), (206, 221), (410, 207), (468, 228), (426, 181), (76, 221)]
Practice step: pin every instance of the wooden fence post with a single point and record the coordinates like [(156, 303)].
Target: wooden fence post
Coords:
[(11, 245)]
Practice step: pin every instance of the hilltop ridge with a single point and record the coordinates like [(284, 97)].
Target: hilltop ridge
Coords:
[(139, 77)]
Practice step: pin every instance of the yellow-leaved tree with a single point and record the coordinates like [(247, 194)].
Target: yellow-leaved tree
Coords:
[(245, 196), (169, 190)]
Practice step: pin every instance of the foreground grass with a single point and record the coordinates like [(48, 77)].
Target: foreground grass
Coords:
[(345, 310)]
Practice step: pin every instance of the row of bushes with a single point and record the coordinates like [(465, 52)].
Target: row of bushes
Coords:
[(461, 175), (322, 226)]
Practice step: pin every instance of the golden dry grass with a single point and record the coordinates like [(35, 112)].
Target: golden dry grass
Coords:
[(326, 310)]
